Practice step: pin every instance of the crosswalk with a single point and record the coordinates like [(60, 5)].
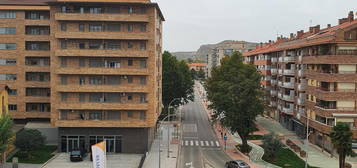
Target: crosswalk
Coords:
[(200, 143)]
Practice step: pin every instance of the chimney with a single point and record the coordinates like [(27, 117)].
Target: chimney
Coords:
[(311, 29), (342, 21), (300, 33), (316, 29), (261, 44), (328, 25), (350, 17), (291, 35)]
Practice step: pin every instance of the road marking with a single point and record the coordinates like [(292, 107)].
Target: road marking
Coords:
[(191, 143), (202, 144), (181, 143), (217, 143), (186, 143), (207, 143), (212, 143), (197, 143)]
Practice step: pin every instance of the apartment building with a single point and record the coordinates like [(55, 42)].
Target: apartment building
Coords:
[(92, 68), (226, 49), (311, 76)]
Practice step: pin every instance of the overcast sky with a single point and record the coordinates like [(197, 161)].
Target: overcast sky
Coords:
[(190, 23)]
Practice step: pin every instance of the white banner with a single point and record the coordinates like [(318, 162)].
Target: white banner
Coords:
[(99, 155)]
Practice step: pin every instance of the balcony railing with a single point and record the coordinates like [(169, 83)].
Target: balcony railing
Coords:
[(288, 84), (280, 83), (289, 71), (273, 92), (288, 97), (336, 108), (274, 71), (274, 60), (289, 59), (281, 59), (301, 72), (301, 87), (273, 82), (280, 71), (288, 110), (300, 101)]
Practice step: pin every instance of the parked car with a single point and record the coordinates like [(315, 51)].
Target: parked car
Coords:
[(236, 164), (77, 155)]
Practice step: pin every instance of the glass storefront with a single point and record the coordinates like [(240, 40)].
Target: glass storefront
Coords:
[(70, 143)]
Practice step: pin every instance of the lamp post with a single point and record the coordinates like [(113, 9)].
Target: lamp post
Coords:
[(168, 128)]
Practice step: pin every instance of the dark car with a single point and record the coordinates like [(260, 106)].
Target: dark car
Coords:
[(236, 164), (77, 155)]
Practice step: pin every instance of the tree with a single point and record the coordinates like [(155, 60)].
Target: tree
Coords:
[(193, 73), (5, 135), (341, 137), (201, 74), (236, 96), (177, 82), (28, 140), (271, 146)]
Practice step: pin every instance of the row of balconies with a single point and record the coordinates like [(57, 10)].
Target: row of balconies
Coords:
[(101, 17)]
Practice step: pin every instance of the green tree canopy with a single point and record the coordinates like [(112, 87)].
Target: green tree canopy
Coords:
[(177, 82), (28, 140), (236, 96), (5, 134), (271, 145), (341, 137)]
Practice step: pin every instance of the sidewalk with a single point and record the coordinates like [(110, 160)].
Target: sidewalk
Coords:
[(316, 158), (152, 158)]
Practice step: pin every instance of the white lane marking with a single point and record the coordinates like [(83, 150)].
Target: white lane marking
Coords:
[(191, 143), (212, 143), (197, 143), (217, 143), (207, 143), (186, 143), (202, 144)]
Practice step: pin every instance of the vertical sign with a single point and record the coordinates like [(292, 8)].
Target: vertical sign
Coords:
[(99, 155)]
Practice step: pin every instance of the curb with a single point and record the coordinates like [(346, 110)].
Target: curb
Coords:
[(55, 156)]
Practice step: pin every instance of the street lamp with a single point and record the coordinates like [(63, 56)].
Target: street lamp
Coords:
[(168, 128)]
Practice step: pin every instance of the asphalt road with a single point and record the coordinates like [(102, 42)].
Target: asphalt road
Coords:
[(199, 146)]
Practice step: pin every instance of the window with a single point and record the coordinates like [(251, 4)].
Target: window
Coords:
[(7, 46), (81, 27), (64, 97), (64, 62), (130, 28), (130, 45), (143, 28), (12, 92), (82, 97), (113, 80), (37, 15), (113, 46), (142, 98), (30, 45), (130, 97), (82, 80), (95, 28), (63, 27), (12, 107), (63, 45), (95, 45), (7, 77), (37, 61), (81, 62), (142, 10), (38, 92), (130, 62), (4, 61), (142, 63), (63, 80), (82, 45), (130, 79), (143, 80), (142, 46), (95, 115), (142, 115), (114, 115), (113, 28), (7, 30), (130, 114), (95, 10), (7, 14), (37, 30), (130, 10)]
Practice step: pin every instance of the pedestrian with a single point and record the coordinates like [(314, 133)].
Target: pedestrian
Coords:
[(221, 134)]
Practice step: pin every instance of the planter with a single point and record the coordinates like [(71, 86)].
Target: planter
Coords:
[(302, 154)]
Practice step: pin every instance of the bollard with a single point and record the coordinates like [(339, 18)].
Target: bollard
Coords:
[(15, 162)]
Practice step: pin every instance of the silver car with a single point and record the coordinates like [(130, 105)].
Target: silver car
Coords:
[(236, 164)]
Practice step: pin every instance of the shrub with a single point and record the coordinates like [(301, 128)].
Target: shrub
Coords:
[(271, 146), (28, 140)]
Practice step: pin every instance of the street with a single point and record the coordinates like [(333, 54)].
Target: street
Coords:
[(200, 147)]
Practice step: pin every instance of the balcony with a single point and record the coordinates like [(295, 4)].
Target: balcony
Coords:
[(280, 83), (280, 95), (281, 59), (274, 71), (301, 73), (274, 60), (273, 92), (288, 97), (288, 84), (273, 104), (135, 88), (288, 110), (101, 17), (101, 53), (273, 82), (288, 59), (102, 106), (332, 77), (301, 101), (301, 87), (103, 35), (289, 72), (103, 123), (280, 71), (99, 71), (324, 128), (330, 59), (332, 94)]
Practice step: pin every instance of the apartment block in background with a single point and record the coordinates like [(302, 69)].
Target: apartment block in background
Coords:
[(90, 68), (226, 48), (312, 76)]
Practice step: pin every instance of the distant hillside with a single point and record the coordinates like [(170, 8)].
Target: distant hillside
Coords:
[(184, 55)]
